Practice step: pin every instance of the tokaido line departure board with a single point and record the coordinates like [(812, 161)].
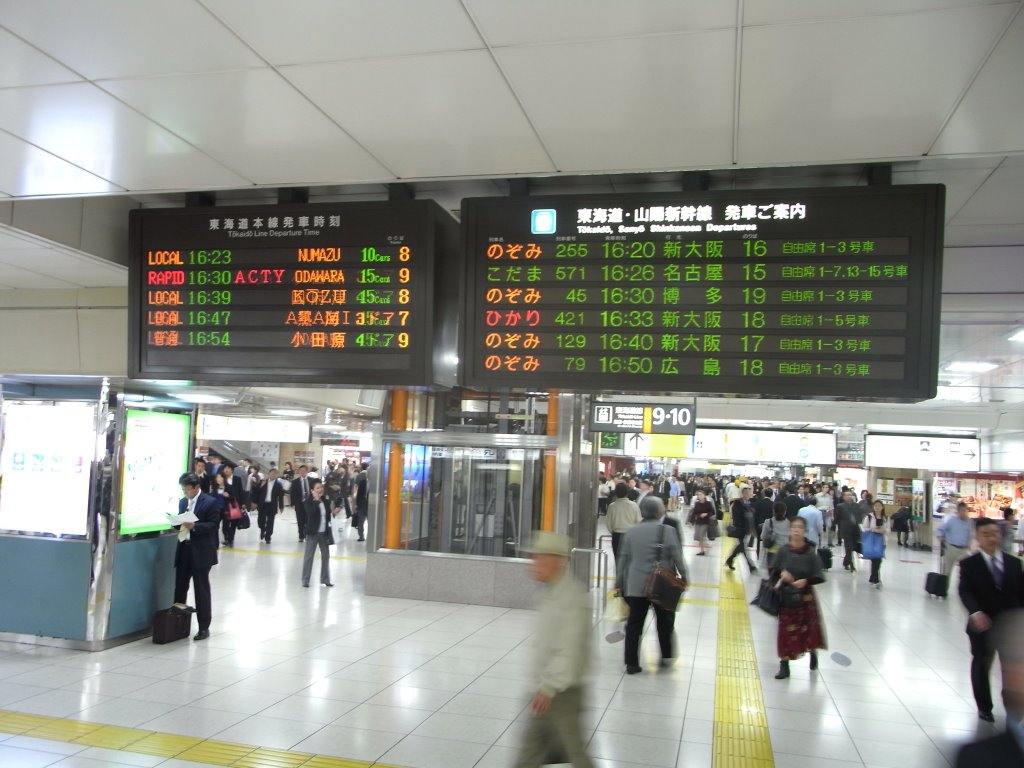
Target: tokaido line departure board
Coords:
[(319, 293), (790, 292)]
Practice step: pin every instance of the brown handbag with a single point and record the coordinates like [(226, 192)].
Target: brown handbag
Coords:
[(664, 588)]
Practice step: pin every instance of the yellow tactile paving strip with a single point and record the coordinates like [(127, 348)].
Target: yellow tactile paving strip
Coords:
[(741, 738), (166, 744)]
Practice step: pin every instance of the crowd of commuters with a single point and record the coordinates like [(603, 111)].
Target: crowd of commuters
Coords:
[(221, 495)]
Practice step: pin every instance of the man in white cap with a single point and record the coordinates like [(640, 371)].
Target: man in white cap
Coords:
[(559, 660)]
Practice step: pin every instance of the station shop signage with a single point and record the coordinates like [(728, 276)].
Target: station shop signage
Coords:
[(339, 293), (934, 452), (791, 292), (652, 418), (715, 444)]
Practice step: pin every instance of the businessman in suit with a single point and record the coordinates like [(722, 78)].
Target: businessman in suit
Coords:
[(300, 495), (991, 583), (1005, 748), (197, 550), (269, 498)]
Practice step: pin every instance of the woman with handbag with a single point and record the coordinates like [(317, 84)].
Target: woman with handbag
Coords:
[(873, 541), (231, 494), (703, 513), (645, 547), (798, 568), (775, 531)]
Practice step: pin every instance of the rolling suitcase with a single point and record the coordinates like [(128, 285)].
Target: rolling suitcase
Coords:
[(937, 584), (826, 557), (170, 625)]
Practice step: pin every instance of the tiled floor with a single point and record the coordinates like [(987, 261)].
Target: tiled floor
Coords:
[(436, 685)]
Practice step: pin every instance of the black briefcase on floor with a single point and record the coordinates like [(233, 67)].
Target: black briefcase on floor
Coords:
[(936, 584), (170, 625)]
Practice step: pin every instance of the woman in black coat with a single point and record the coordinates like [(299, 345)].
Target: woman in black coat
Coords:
[(318, 534)]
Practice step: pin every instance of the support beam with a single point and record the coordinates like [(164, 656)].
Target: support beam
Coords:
[(696, 181), (292, 195), (396, 468), (401, 192), (880, 175), (200, 199), (518, 187)]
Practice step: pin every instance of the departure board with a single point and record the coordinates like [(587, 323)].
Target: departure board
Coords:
[(789, 292), (329, 292)]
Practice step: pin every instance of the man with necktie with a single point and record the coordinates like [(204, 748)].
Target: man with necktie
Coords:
[(269, 499), (991, 583), (300, 495), (197, 550)]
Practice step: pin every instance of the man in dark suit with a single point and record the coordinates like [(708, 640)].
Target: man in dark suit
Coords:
[(300, 495), (794, 503), (848, 517), (1006, 748), (991, 583), (763, 510), (197, 550), (269, 498), (201, 473), (362, 501)]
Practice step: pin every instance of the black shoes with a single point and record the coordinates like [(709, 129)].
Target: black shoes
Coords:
[(360, 539), (202, 634), (305, 584), (814, 660), (783, 672), (986, 716), (729, 565), (665, 663), (633, 670), (328, 584)]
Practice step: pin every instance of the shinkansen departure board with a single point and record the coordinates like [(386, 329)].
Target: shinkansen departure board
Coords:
[(789, 292), (339, 293)]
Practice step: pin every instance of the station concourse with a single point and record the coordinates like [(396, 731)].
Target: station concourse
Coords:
[(241, 231)]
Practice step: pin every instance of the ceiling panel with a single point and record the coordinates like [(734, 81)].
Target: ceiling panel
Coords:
[(660, 102), (879, 87), (27, 171), (445, 114), (91, 129), (20, 277), (781, 11), (252, 119), (21, 64), (984, 234), (541, 21), (333, 30), (960, 183), (119, 38), (990, 117), (999, 200)]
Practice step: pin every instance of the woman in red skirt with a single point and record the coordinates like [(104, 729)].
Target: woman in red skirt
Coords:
[(798, 568)]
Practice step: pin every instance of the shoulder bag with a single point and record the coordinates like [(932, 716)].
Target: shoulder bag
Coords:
[(664, 587)]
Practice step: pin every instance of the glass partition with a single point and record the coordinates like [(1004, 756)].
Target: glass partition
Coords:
[(470, 500)]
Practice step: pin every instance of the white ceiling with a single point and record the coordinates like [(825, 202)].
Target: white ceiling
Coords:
[(147, 98)]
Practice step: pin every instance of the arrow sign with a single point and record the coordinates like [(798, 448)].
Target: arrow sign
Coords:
[(970, 455), (638, 444)]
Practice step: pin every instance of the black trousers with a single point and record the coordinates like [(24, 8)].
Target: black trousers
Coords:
[(616, 543), (850, 547), (300, 518), (185, 571), (876, 566), (982, 654), (665, 622), (741, 549), (265, 519), (229, 527)]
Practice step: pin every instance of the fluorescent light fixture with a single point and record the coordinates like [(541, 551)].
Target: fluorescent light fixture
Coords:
[(198, 397), (289, 412), (1018, 336), (968, 366)]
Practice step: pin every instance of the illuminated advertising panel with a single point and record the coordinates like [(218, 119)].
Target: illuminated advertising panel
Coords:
[(45, 464), (156, 454)]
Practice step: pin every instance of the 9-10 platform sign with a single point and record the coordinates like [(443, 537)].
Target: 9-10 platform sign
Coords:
[(330, 292), (792, 292)]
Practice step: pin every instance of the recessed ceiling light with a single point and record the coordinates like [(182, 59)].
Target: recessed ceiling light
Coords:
[(1018, 336), (970, 367), (289, 412), (198, 397)]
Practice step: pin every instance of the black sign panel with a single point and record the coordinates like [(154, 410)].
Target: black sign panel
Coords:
[(328, 292), (791, 292), (651, 419)]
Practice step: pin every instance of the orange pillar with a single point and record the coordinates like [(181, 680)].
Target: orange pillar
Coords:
[(547, 518), (396, 467)]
